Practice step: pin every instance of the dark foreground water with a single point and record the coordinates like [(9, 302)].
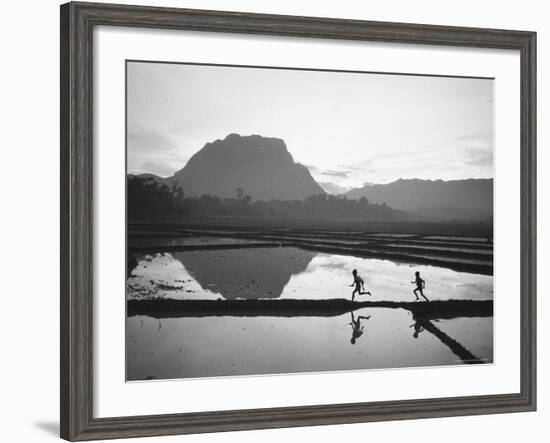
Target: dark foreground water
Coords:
[(369, 338)]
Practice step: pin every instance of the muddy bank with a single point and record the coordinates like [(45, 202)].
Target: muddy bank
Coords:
[(277, 223), (182, 248), (172, 308)]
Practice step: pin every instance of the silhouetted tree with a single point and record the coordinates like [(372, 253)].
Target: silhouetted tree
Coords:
[(149, 199)]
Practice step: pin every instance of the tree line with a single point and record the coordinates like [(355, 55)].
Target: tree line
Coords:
[(148, 199)]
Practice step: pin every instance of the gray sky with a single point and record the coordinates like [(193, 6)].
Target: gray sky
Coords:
[(346, 128)]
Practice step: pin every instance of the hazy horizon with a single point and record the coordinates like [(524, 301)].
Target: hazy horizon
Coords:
[(346, 128)]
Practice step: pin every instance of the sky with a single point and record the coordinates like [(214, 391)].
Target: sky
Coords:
[(346, 128)]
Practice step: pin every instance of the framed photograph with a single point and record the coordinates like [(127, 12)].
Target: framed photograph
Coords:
[(272, 221)]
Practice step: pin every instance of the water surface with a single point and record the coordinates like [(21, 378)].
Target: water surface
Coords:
[(292, 273), (371, 338)]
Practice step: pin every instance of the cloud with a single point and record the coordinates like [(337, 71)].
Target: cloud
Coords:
[(161, 169), (332, 173), (420, 162), (475, 139), (342, 173), (152, 151), (478, 157), (312, 168), (333, 188), (476, 149), (143, 139)]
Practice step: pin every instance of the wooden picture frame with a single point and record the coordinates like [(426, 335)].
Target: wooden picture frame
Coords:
[(77, 23)]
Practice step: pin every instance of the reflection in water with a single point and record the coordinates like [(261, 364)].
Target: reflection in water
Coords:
[(201, 347), (228, 346), (245, 273), (418, 328), (229, 273), (357, 328), (475, 334), (458, 349), (291, 273)]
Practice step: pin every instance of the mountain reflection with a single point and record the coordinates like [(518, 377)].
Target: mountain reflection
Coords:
[(245, 273)]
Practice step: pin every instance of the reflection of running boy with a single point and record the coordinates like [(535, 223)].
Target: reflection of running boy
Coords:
[(418, 328), (357, 329), (420, 285), (359, 284)]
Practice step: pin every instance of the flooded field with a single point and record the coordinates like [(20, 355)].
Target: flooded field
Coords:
[(280, 272), (226, 269)]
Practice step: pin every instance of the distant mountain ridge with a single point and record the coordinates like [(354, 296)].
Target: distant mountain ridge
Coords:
[(252, 165), (263, 168), (470, 199)]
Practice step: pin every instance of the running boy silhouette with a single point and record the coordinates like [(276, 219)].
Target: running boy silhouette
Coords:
[(420, 285), (359, 284), (357, 328), (418, 328)]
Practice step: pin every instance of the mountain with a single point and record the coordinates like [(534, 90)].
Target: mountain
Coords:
[(333, 188), (470, 199), (261, 167)]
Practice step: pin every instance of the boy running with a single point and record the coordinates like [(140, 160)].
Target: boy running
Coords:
[(420, 285), (359, 284)]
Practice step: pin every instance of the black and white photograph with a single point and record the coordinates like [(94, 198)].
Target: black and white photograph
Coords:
[(290, 220), (275, 221)]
